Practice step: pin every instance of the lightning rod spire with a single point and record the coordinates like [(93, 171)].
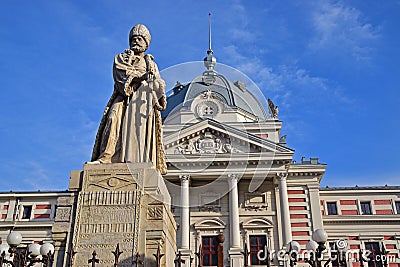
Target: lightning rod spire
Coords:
[(209, 34), (209, 60)]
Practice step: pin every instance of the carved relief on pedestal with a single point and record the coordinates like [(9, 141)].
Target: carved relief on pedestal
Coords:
[(65, 201), (155, 212), (115, 180), (105, 218), (63, 214)]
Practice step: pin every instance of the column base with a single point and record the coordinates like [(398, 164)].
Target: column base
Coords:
[(235, 257), (186, 255)]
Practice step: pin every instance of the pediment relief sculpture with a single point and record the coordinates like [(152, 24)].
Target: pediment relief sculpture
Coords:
[(207, 143)]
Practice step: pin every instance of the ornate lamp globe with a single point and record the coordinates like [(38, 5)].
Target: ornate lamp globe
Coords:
[(4, 248), (312, 245), (14, 239), (46, 248), (320, 236), (293, 246), (34, 249)]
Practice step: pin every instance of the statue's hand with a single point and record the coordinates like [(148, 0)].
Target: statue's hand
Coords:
[(148, 76)]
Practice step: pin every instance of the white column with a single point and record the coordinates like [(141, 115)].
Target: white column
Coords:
[(185, 215), (234, 211), (235, 255), (284, 203)]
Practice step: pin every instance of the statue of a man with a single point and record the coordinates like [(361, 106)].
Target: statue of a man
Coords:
[(131, 127)]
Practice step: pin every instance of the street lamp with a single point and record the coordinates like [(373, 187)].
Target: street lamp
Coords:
[(292, 249), (28, 255), (317, 246)]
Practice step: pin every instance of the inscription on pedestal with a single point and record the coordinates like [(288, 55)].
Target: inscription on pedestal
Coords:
[(106, 218)]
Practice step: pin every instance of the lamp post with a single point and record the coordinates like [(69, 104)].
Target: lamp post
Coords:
[(317, 246), (28, 256), (292, 249)]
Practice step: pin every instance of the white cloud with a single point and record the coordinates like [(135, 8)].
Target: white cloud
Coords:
[(38, 176), (285, 83), (341, 28), (240, 19)]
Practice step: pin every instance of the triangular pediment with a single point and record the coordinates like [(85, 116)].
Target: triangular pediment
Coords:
[(212, 137)]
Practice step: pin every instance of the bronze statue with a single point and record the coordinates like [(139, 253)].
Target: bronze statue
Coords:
[(131, 127)]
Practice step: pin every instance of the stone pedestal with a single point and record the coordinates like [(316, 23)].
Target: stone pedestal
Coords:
[(127, 204)]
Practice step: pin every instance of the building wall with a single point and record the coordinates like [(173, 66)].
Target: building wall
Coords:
[(350, 224), (40, 217)]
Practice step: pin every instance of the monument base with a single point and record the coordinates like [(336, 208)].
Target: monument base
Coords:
[(126, 204)]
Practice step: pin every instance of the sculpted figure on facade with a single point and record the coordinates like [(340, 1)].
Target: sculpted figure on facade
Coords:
[(273, 110), (131, 127)]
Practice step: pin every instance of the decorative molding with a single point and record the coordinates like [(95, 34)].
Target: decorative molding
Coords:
[(282, 176), (208, 105), (233, 177), (155, 212), (65, 201), (184, 178), (63, 214), (210, 202), (210, 208), (209, 224), (256, 201), (260, 222), (206, 143)]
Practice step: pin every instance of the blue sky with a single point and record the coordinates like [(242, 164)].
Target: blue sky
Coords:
[(330, 66)]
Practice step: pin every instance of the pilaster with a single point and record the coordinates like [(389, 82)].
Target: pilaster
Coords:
[(315, 206)]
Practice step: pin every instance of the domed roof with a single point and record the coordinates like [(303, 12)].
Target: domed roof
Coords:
[(234, 95)]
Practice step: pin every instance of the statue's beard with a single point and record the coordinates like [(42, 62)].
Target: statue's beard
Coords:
[(138, 49)]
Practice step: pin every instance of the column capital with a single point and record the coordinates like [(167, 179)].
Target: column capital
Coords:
[(184, 178), (232, 177), (282, 175)]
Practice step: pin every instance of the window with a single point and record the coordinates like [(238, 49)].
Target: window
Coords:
[(397, 204), (374, 256), (26, 214), (257, 243), (209, 247), (332, 208), (365, 208)]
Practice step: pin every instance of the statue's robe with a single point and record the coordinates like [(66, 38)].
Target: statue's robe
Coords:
[(131, 127)]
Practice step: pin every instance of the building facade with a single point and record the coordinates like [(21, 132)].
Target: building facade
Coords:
[(234, 187)]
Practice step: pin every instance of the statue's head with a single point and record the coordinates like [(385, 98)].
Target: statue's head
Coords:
[(139, 38)]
